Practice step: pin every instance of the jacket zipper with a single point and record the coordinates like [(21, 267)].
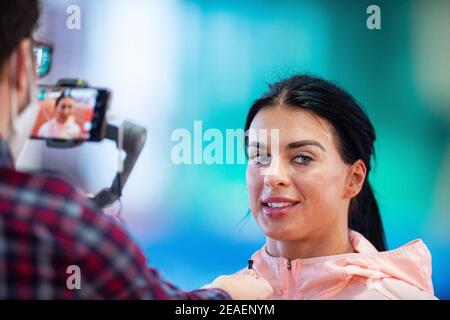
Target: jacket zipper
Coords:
[(291, 281)]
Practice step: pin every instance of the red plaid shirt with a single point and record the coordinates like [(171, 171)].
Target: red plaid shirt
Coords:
[(46, 227)]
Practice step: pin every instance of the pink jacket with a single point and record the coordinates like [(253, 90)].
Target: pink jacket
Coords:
[(404, 273)]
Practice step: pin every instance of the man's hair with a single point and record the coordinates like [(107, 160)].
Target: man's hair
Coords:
[(18, 19)]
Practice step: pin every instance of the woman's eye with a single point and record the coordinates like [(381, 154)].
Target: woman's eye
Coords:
[(302, 159), (260, 159)]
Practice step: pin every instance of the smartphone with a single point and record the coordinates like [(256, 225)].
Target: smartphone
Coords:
[(71, 113)]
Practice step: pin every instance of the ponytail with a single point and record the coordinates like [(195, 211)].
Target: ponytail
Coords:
[(364, 217)]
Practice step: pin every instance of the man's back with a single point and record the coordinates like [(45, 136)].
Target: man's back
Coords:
[(48, 230)]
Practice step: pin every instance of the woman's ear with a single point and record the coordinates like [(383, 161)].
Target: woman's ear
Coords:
[(355, 179)]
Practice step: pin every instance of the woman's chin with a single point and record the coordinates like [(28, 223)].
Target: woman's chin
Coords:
[(279, 235), (281, 230)]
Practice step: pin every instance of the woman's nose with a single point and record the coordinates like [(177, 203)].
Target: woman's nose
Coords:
[(275, 175)]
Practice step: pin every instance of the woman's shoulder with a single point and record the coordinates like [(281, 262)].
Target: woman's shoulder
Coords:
[(386, 289), (399, 289)]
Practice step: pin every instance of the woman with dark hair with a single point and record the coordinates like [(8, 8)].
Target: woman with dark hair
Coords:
[(62, 125), (310, 194)]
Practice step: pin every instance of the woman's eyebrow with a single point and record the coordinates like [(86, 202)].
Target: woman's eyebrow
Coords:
[(292, 145), (298, 144)]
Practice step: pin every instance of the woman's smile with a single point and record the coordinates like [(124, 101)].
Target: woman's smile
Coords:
[(278, 207)]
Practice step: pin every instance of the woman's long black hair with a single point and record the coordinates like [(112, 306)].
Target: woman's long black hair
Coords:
[(355, 135)]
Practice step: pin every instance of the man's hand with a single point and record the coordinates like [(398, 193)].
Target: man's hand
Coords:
[(245, 286)]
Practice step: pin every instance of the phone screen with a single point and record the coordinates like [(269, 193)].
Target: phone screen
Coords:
[(75, 114)]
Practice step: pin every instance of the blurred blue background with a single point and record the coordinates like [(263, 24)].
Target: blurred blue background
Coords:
[(170, 63)]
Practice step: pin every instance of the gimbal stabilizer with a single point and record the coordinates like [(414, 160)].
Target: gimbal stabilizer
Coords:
[(129, 138)]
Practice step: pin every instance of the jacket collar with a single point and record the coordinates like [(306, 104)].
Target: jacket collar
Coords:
[(318, 277)]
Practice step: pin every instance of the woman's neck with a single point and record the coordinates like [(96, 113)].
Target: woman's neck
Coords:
[(315, 245)]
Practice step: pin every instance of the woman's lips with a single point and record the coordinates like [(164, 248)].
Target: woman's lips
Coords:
[(278, 207)]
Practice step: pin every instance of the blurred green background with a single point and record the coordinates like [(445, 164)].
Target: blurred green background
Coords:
[(171, 63)]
